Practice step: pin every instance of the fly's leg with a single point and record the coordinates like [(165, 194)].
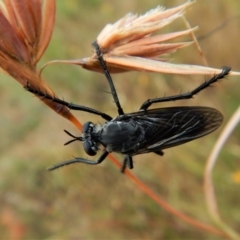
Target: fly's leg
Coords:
[(80, 160), (71, 106), (108, 76), (188, 95), (127, 162), (159, 152)]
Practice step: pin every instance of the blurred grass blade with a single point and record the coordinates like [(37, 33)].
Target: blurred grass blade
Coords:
[(208, 183)]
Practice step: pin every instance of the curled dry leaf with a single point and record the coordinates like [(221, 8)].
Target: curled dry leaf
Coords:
[(26, 27)]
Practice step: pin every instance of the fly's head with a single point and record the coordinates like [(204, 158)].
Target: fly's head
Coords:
[(88, 138), (89, 142)]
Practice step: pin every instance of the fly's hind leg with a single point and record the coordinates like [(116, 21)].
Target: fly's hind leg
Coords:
[(127, 162), (188, 95)]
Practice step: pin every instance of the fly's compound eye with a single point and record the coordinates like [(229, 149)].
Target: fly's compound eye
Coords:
[(89, 148), (88, 144), (87, 127)]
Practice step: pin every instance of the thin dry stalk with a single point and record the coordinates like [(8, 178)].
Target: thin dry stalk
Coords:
[(208, 183)]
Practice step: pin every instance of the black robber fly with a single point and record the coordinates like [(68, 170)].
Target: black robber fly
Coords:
[(143, 131)]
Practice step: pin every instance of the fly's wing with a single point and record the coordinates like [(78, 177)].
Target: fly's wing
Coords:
[(169, 127)]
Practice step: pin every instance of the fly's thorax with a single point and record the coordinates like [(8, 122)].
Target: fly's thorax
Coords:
[(90, 139), (121, 136)]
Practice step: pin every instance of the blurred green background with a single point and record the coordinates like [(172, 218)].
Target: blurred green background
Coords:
[(98, 202)]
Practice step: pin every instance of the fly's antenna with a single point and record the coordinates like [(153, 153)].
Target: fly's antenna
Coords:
[(74, 138)]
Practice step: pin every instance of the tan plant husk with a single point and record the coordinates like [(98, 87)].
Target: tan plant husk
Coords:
[(26, 29), (129, 44)]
